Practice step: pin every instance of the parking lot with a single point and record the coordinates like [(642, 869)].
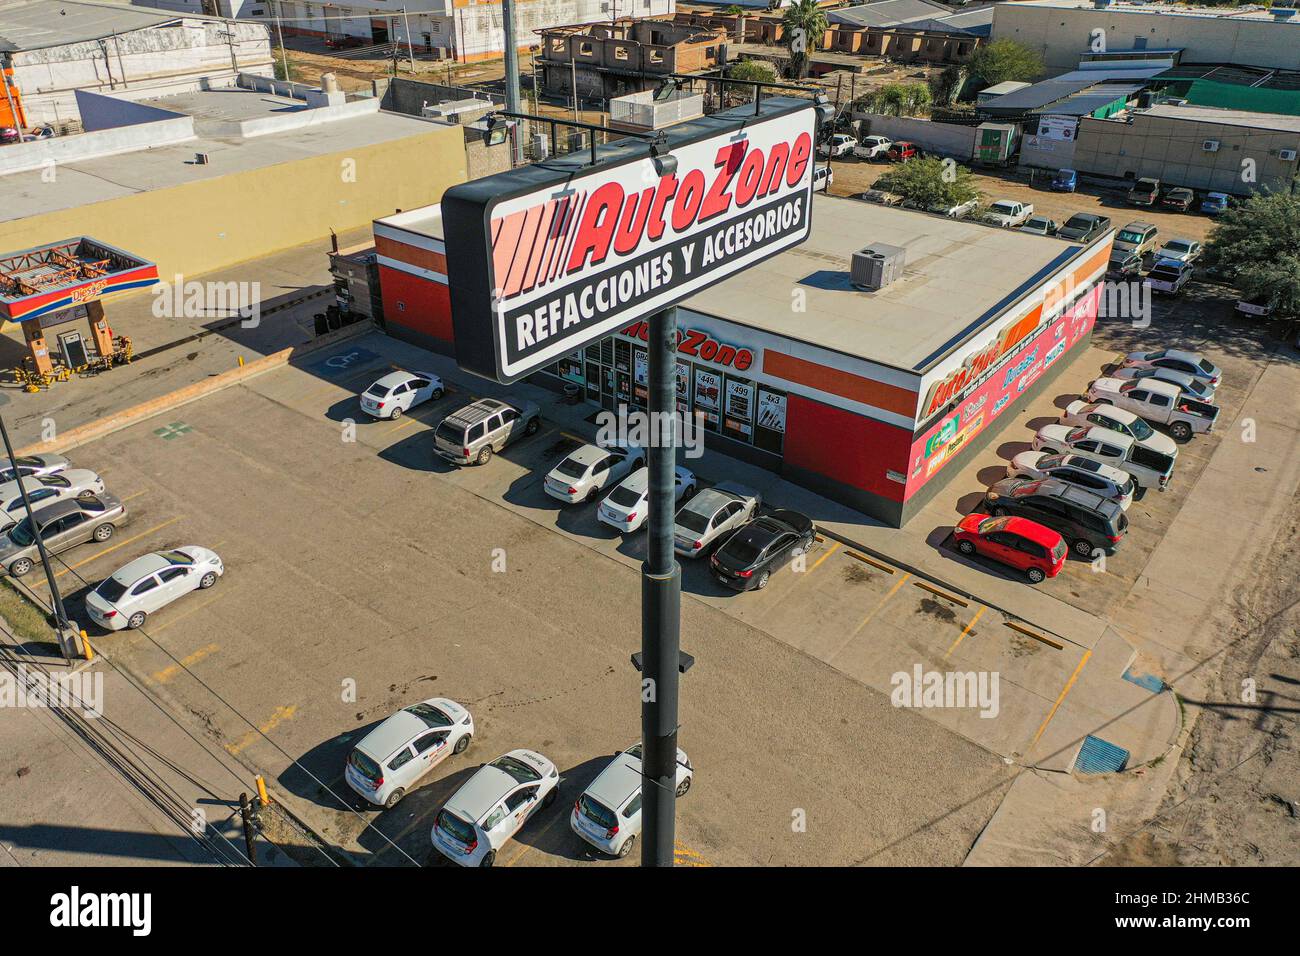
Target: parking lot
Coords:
[(360, 579)]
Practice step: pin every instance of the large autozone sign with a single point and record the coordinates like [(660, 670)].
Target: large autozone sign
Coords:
[(545, 259)]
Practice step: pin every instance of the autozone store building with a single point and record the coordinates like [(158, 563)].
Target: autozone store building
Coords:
[(866, 397)]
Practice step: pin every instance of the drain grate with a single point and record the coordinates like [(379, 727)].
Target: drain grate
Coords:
[(1100, 756), (1146, 681)]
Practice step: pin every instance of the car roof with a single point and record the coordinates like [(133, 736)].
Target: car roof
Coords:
[(58, 509), (393, 379), (1139, 225), (708, 501), (1160, 373), (135, 570), (1027, 528), (1194, 357), (620, 779), (587, 454), (488, 785), (1057, 488), (474, 413), (1111, 411), (1160, 386)]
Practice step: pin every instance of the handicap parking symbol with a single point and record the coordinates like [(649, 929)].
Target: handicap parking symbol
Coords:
[(341, 362)]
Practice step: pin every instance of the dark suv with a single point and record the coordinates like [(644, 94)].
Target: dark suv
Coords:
[(1084, 518), (1083, 227)]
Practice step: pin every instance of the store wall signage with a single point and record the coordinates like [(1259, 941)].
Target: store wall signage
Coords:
[(699, 345)]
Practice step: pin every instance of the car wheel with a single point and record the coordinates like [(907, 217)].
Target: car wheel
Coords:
[(684, 786), (86, 494), (397, 413), (1181, 431), (1083, 548), (436, 395), (20, 567), (394, 798), (593, 494), (136, 620), (626, 849), (532, 426), (488, 858), (762, 580), (484, 455), (966, 547), (462, 745), (1035, 575), (639, 463), (103, 532), (550, 798)]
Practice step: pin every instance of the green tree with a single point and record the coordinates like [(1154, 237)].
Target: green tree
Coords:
[(734, 10), (755, 70), (1257, 245), (897, 99), (946, 87), (931, 183), (1004, 60), (803, 26)]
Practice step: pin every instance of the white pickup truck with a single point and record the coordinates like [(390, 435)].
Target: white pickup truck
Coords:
[(1149, 469), (1156, 401), (1008, 213)]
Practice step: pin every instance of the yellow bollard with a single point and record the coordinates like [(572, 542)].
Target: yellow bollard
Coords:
[(241, 361), (85, 644), (262, 795)]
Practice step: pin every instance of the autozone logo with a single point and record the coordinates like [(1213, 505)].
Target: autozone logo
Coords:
[(564, 236), (701, 345), (978, 363)]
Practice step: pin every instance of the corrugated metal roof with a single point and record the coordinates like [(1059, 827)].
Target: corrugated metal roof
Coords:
[(887, 13), (41, 24), (1212, 114)]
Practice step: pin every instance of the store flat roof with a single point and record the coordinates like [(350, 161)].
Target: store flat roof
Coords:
[(1211, 114), (39, 24), (101, 178), (957, 278)]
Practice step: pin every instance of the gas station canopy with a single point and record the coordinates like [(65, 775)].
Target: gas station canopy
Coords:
[(61, 275)]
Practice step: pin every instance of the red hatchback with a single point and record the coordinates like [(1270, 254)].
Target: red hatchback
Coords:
[(1023, 544), (902, 151)]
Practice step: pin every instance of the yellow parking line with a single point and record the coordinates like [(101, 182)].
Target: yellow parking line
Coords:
[(559, 818), (171, 670), (965, 630), (406, 421), (1064, 690), (281, 714), (685, 856), (829, 551), (120, 544), (188, 611), (892, 591), (129, 497)]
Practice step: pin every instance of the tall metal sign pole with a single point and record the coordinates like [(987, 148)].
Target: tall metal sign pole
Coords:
[(661, 596), (512, 76)]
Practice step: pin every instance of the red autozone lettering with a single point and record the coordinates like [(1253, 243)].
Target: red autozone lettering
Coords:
[(701, 345), (613, 218)]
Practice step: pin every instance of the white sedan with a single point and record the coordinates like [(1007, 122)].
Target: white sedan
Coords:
[(399, 392), (150, 583), (73, 483), (583, 475), (709, 517), (628, 505), (489, 809)]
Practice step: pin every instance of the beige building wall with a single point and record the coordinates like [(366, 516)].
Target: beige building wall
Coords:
[(1171, 150), (206, 225), (1062, 35)]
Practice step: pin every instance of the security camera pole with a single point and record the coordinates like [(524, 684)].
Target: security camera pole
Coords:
[(661, 598), (60, 615), (512, 76)]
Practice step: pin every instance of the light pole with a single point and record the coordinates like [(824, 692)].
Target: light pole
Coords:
[(512, 76)]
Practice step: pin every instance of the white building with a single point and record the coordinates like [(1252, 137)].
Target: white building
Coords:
[(57, 47), (448, 29)]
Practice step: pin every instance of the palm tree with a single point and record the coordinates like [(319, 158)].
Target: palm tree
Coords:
[(803, 27)]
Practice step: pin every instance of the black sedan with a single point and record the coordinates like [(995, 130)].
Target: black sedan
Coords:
[(1180, 199), (748, 558)]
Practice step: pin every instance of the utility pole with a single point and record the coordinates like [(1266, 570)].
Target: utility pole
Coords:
[(410, 50), (573, 82), (284, 56), (56, 599), (512, 77), (661, 596)]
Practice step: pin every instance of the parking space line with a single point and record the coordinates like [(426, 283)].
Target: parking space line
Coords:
[(1061, 697), (281, 714), (120, 544), (685, 856), (188, 611), (171, 670), (829, 551), (133, 495), (965, 630)]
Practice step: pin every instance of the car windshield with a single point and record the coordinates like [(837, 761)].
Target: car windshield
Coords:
[(1178, 246), (1078, 222), (1066, 174), (448, 822), (1003, 207), (431, 715), (1140, 428), (1052, 461), (1205, 366), (377, 390), (365, 766), (596, 811), (625, 497), (571, 468), (692, 520), (176, 557), (21, 534), (1195, 386), (517, 769), (451, 434), (1168, 270), (111, 590), (1129, 235)]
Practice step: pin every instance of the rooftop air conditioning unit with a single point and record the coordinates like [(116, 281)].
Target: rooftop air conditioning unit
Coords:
[(1286, 155), (1210, 146), (876, 266)]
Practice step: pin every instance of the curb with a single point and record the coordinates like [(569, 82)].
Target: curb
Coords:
[(91, 431)]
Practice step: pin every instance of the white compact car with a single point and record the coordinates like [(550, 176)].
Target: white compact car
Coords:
[(388, 762), (150, 583), (628, 505), (29, 465), (707, 519), (583, 475), (399, 392), (72, 483), (1120, 420), (482, 816), (608, 814), (1106, 480)]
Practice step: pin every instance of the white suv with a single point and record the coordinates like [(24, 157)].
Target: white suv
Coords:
[(608, 814), (392, 758), (482, 816)]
